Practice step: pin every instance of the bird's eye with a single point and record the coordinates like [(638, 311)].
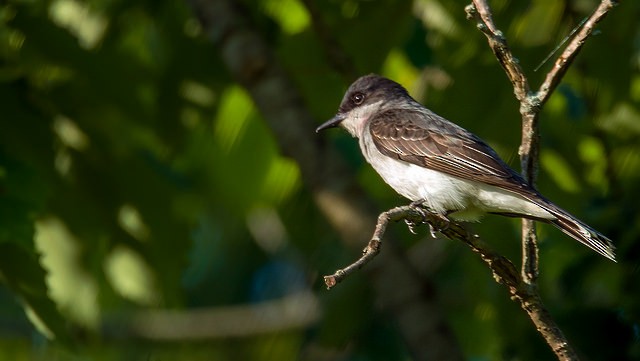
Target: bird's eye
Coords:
[(357, 98)]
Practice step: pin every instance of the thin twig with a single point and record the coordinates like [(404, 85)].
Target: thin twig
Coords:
[(503, 270), (529, 110), (563, 62), (559, 46), (530, 105), (481, 12), (373, 247)]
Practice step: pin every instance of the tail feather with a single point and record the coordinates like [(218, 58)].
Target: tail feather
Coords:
[(581, 232)]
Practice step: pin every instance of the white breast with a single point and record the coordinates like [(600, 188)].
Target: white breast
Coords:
[(443, 193)]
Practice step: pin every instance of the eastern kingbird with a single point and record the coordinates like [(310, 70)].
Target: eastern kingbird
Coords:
[(441, 166)]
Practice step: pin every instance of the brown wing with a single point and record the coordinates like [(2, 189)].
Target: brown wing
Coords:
[(433, 142)]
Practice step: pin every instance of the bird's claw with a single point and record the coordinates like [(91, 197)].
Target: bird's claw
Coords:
[(412, 225), (432, 231), (419, 208)]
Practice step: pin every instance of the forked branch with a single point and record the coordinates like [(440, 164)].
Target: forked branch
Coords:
[(530, 106), (503, 270), (523, 286)]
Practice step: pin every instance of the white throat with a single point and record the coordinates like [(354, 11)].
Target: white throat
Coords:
[(356, 119)]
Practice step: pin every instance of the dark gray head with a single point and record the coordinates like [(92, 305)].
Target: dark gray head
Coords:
[(369, 91)]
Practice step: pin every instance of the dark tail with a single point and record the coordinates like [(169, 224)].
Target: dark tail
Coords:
[(580, 231)]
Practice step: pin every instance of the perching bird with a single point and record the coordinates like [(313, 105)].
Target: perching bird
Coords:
[(441, 166)]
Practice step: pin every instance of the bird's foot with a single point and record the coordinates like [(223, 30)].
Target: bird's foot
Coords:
[(412, 225), (418, 206), (442, 224)]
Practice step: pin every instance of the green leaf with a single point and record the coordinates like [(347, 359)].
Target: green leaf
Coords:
[(21, 196), (21, 271)]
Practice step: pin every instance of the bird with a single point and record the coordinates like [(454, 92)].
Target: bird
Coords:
[(441, 166)]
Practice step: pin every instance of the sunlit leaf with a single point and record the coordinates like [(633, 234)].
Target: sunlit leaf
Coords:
[(558, 169), (291, 14)]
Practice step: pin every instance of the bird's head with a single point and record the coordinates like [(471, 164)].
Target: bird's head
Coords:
[(364, 97)]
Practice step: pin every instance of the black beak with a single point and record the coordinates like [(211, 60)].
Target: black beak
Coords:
[(333, 122)]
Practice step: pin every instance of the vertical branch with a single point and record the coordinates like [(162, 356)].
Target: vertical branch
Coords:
[(530, 106), (530, 109), (528, 151)]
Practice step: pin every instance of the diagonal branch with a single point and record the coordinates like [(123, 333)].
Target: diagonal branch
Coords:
[(481, 12), (530, 106), (503, 270), (252, 64), (565, 59)]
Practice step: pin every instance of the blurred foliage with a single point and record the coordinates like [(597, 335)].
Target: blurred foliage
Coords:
[(136, 176)]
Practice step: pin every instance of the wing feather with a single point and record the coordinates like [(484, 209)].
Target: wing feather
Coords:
[(430, 141)]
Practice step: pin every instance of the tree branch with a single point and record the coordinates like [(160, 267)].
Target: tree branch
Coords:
[(503, 270), (481, 12), (530, 106), (252, 64), (554, 76)]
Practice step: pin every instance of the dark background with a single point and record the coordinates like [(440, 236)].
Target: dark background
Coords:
[(147, 212)]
